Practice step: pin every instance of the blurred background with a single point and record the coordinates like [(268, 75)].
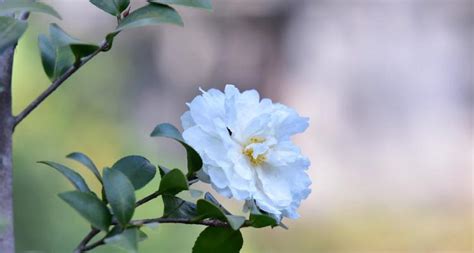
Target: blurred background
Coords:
[(388, 86)]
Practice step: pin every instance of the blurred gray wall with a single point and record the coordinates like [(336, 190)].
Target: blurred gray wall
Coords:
[(388, 86)]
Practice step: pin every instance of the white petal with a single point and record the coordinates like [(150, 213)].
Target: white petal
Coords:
[(221, 127), (187, 121)]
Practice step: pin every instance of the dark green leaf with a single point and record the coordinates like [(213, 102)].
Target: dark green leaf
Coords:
[(259, 218), (10, 31), (208, 196), (204, 4), (61, 51), (120, 194), (163, 170), (78, 48), (169, 131), (48, 55), (22, 5), (56, 55), (138, 170), (175, 207), (207, 209), (89, 207), (150, 14), (64, 60), (86, 161), (127, 240), (262, 220), (217, 239), (115, 231), (113, 7), (142, 236), (59, 37), (71, 175), (173, 182), (83, 50)]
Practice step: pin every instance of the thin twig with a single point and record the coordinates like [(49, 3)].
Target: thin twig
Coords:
[(157, 194), (86, 240), (56, 83), (209, 223), (93, 245), (147, 198)]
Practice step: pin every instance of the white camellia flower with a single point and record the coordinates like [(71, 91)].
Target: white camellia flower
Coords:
[(246, 149)]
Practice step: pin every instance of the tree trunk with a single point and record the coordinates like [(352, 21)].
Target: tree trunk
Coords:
[(7, 237)]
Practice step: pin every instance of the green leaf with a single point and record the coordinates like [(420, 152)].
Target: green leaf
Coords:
[(138, 170), (86, 161), (262, 220), (89, 207), (64, 60), (78, 48), (48, 55), (207, 209), (175, 207), (127, 240), (173, 182), (71, 175), (61, 51), (22, 5), (11, 30), (56, 55), (59, 37), (204, 4), (142, 236), (208, 196), (151, 14), (217, 239), (163, 170), (120, 194), (259, 218), (169, 131), (83, 50), (113, 7)]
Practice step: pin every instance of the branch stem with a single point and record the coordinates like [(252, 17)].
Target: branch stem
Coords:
[(83, 247), (86, 240), (147, 198), (56, 83), (157, 194)]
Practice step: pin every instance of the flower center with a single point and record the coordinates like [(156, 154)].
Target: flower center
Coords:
[(255, 158)]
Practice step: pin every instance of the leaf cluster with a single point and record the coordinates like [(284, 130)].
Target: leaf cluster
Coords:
[(112, 210), (61, 51)]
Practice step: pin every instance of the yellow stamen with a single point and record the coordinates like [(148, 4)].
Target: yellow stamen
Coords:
[(255, 161), (257, 140)]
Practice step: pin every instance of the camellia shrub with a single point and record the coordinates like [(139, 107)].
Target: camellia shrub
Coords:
[(235, 141)]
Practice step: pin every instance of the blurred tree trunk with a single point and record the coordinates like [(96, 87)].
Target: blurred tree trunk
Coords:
[(7, 238)]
